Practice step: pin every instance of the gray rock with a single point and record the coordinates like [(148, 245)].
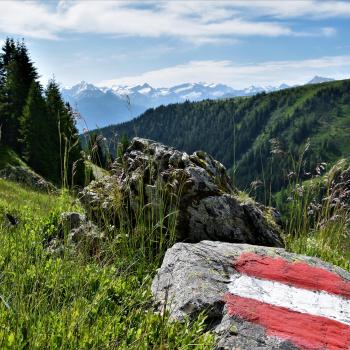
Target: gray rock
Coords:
[(76, 233), (197, 185), (72, 220), (27, 177), (194, 278)]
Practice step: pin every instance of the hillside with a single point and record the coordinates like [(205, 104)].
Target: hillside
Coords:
[(70, 283), (261, 136)]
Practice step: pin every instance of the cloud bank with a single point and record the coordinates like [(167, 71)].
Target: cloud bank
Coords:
[(240, 76), (206, 21)]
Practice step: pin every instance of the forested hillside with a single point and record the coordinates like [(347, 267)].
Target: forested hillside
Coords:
[(259, 138), (35, 123)]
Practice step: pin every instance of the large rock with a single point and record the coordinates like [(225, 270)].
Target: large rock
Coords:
[(257, 297), (27, 177), (208, 206)]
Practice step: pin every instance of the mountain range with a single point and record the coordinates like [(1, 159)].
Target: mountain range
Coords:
[(102, 106)]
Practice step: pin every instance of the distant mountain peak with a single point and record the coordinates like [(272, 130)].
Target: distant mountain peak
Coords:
[(318, 80), (107, 105), (284, 86), (81, 87)]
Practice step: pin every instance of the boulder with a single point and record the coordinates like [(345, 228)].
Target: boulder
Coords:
[(256, 297), (207, 205), (27, 177)]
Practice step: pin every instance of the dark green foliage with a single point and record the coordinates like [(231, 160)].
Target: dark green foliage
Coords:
[(75, 163), (259, 137), (41, 128), (56, 123), (9, 157), (97, 150), (17, 73), (123, 144), (34, 134), (64, 143)]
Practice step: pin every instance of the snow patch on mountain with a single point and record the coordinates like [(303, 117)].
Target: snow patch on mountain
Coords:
[(101, 106), (318, 80)]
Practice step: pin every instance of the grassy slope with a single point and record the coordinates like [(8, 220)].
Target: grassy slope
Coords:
[(316, 213), (75, 301)]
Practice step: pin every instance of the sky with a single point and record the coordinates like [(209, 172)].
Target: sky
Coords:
[(164, 43)]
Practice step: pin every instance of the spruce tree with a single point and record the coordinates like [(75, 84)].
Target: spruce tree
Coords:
[(34, 134), (17, 73), (65, 143), (41, 129), (8, 53)]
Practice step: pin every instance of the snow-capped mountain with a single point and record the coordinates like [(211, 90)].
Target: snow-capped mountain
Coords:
[(102, 106), (318, 80)]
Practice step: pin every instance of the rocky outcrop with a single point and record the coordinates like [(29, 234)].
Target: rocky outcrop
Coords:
[(197, 185), (256, 297), (27, 177)]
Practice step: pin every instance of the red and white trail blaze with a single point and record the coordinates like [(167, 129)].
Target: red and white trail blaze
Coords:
[(306, 305)]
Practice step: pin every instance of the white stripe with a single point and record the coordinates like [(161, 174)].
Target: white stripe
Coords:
[(317, 303)]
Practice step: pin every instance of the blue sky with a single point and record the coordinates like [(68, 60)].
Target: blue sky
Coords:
[(238, 43)]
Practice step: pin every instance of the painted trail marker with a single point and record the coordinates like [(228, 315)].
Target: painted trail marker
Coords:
[(306, 305), (257, 297)]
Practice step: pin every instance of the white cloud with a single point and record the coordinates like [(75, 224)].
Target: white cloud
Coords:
[(27, 18), (292, 8), (240, 76), (198, 21)]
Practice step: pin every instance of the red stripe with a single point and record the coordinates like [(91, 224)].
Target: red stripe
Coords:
[(303, 330), (298, 274)]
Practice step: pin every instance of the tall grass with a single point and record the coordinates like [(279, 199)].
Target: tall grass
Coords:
[(137, 227), (317, 211), (78, 301)]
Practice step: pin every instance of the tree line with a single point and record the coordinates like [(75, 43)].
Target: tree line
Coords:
[(35, 121)]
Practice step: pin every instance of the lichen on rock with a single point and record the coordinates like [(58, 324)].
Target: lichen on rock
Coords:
[(197, 185)]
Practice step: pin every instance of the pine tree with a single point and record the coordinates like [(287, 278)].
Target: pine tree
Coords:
[(8, 52), (34, 134), (17, 73), (65, 143), (41, 129), (55, 109)]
